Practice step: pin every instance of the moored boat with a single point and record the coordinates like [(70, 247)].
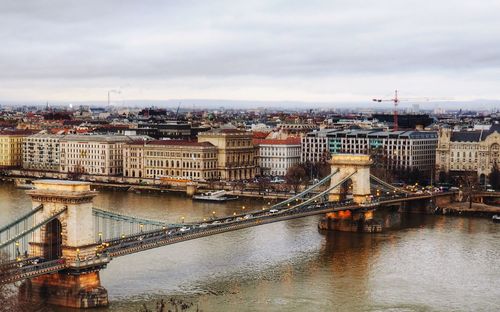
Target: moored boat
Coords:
[(217, 196)]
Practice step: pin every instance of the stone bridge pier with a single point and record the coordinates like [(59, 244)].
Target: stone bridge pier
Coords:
[(69, 238), (357, 168)]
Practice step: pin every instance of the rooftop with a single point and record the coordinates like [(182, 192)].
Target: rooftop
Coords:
[(288, 141), (173, 143)]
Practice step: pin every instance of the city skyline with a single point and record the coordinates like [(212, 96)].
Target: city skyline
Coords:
[(320, 52)]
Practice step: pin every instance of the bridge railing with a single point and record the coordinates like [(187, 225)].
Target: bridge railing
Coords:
[(15, 245), (110, 225), (307, 191)]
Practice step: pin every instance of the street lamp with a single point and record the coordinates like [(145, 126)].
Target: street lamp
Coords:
[(141, 226), (100, 237), (18, 253)]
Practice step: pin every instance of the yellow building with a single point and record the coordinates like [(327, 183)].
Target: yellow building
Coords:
[(11, 147), (235, 152)]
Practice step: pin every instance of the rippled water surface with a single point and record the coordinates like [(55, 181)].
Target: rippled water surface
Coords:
[(433, 263)]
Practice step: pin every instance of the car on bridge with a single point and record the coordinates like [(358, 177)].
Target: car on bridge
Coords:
[(273, 211), (184, 229)]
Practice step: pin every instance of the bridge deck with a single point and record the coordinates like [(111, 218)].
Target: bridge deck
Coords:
[(157, 238)]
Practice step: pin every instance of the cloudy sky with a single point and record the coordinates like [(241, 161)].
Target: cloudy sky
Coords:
[(319, 51)]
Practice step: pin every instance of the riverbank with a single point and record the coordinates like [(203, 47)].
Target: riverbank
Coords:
[(463, 209)]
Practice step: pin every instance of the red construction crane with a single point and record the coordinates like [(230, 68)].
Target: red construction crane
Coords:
[(397, 99)]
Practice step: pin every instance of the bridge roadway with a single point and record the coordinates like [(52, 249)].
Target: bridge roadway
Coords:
[(28, 268)]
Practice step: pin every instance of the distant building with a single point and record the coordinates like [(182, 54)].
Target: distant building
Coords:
[(406, 121), (174, 130), (275, 156), (11, 147), (41, 152), (296, 128), (235, 152), (94, 154), (468, 152), (173, 159)]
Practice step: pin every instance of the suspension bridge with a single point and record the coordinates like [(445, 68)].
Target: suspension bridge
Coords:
[(59, 247)]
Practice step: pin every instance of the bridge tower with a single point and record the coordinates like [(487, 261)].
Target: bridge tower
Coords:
[(356, 166), (70, 238)]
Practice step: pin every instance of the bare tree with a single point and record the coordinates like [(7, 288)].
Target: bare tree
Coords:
[(263, 184), (494, 177), (296, 176), (9, 301)]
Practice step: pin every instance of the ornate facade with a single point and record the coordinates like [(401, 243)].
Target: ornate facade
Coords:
[(171, 159), (475, 152), (235, 152)]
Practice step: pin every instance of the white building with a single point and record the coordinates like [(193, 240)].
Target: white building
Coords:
[(94, 154), (41, 152), (402, 150), (314, 146), (275, 156)]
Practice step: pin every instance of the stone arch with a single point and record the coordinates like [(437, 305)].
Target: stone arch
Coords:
[(53, 240), (357, 168)]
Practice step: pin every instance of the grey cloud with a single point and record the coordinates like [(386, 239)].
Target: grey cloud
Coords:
[(85, 40)]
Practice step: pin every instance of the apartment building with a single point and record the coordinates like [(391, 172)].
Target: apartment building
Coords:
[(314, 146), (173, 159), (474, 152), (275, 156), (94, 154), (11, 147), (41, 152), (398, 150), (235, 152)]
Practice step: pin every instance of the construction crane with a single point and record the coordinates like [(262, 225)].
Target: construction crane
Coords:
[(396, 99)]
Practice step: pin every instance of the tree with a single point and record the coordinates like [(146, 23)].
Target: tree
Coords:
[(296, 176), (381, 164), (469, 184), (263, 184), (494, 177), (9, 294)]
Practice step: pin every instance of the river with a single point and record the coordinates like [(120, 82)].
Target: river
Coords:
[(433, 263)]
